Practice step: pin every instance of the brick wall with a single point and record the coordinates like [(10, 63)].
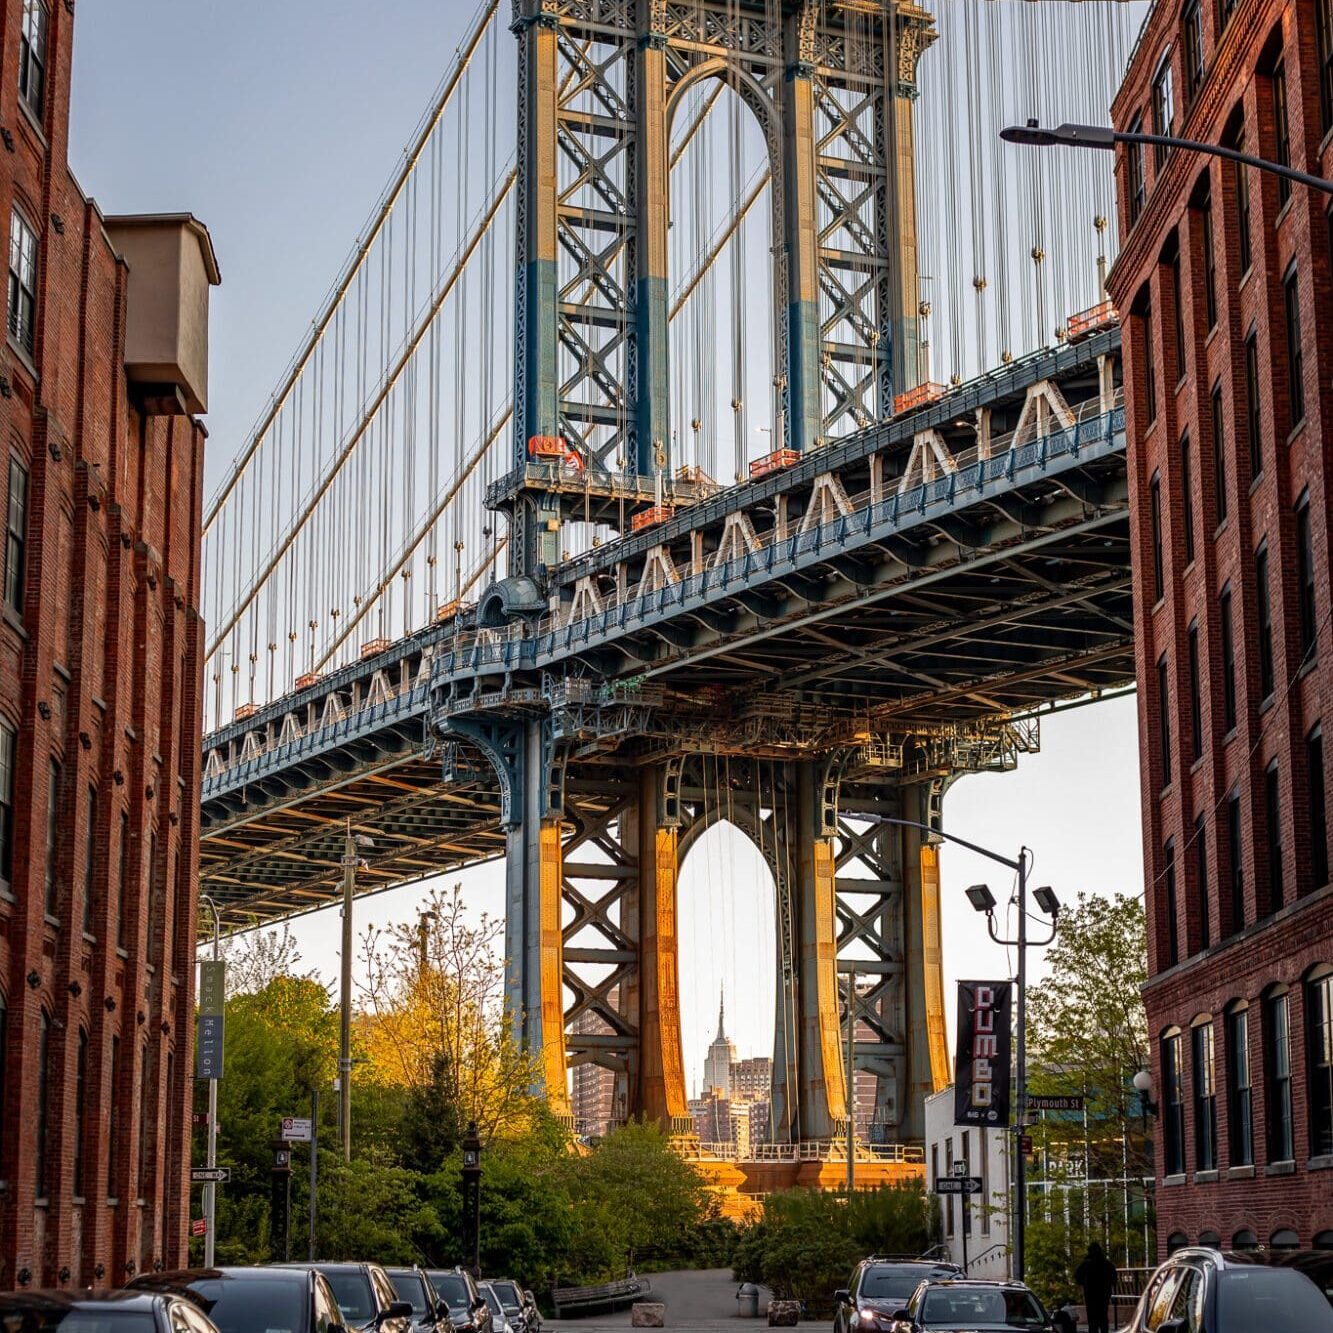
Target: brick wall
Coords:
[(100, 670), (1287, 913)]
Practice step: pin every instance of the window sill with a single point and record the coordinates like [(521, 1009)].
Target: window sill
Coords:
[(1287, 1168), (25, 357), (1212, 333), (1208, 1177), (1266, 703), (122, 952), (1324, 1163), (43, 1204), (1297, 430), (1240, 1173), (1256, 483), (78, 1200), (34, 124), (1170, 1182), (1284, 210), (89, 938), (1196, 765), (14, 621), (1221, 527), (52, 921)]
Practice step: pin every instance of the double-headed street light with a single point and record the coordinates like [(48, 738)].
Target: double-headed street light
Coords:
[(1103, 136)]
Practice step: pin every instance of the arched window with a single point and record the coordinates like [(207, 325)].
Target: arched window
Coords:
[(1277, 1076), (39, 1157), (1173, 1104), (1177, 1240), (1319, 1048), (1205, 1094), (1284, 1239), (1240, 1087), (1245, 1239), (1323, 1240), (1210, 1240)]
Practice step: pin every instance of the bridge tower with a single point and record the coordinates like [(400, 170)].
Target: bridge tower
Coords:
[(596, 834)]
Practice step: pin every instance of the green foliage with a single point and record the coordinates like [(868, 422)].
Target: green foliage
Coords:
[(808, 1241)]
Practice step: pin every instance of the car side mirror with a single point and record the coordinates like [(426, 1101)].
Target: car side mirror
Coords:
[(479, 1305), (907, 1314), (397, 1310), (842, 1296)]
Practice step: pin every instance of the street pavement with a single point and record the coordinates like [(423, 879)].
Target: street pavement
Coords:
[(703, 1301)]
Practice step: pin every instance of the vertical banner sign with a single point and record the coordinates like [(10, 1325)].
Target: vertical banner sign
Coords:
[(212, 994), (981, 1070)]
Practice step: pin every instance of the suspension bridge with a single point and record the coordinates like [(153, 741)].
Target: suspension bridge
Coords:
[(745, 445)]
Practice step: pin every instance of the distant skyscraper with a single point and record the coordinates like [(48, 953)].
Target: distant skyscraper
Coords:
[(592, 1089), (721, 1056)]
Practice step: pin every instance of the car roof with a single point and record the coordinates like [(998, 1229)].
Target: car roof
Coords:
[(320, 1266), (182, 1277), (80, 1300), (1004, 1284)]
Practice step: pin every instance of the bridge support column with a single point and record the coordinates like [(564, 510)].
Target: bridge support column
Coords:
[(533, 939)]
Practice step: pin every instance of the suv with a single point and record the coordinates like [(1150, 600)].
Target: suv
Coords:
[(429, 1312), (878, 1287), (366, 1296), (467, 1307), (511, 1302), (1200, 1290), (238, 1300), (970, 1305)]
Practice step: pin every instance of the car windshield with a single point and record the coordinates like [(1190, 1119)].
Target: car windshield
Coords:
[(508, 1294), (1275, 1298), (492, 1299), (453, 1289), (17, 1319), (897, 1284), (351, 1289), (276, 1305), (969, 1307), (410, 1288)]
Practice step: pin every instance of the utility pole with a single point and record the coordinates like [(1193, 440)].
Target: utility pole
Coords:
[(851, 1082), (314, 1170), (345, 1016), (215, 1002)]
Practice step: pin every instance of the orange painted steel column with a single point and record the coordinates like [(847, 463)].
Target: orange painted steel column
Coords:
[(550, 881)]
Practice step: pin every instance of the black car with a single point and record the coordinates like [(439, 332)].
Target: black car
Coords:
[(110, 1312), (967, 1305), (240, 1300), (467, 1306), (365, 1296), (1215, 1291), (428, 1310), (512, 1303), (878, 1287)]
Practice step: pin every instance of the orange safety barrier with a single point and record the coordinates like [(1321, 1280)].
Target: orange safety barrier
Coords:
[(911, 399), (246, 710), (309, 678), (373, 647), (555, 448), (773, 462), (1089, 321), (647, 517), (447, 610)]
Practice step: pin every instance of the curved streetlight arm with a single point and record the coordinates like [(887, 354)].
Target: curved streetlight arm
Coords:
[(1103, 136), (948, 837), (1009, 944)]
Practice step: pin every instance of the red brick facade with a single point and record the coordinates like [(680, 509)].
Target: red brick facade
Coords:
[(100, 674), (1246, 768)]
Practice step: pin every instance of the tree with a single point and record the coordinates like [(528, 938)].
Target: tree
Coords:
[(256, 957)]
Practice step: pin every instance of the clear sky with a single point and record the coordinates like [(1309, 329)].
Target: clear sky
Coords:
[(277, 122)]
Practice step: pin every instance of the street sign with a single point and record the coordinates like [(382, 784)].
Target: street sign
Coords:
[(958, 1169), (1025, 1145), (1038, 1102), (199, 1117), (208, 1049), (212, 986), (296, 1129), (205, 1175), (958, 1185), (199, 1227)]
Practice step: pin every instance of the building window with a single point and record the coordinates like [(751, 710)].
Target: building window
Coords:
[(4, 1047), (80, 1102), (1187, 486), (1273, 818), (16, 536), (1225, 9), (1158, 577), (1196, 698), (51, 887), (1179, 303), (1205, 1099), (89, 856), (1314, 793), (113, 1124), (1209, 262), (1319, 1021), (7, 746), (1149, 364), (1242, 183), (1305, 576), (22, 280), (1265, 620), (1253, 419), (1240, 1110), (1219, 455), (1323, 13), (1201, 871), (1173, 1108), (1164, 718), (32, 56), (1236, 862), (147, 1116), (1228, 662), (1281, 129), (1172, 908), (39, 1156), (1277, 1024), (1191, 35), (1163, 108), (1137, 190), (1291, 298), (123, 880)]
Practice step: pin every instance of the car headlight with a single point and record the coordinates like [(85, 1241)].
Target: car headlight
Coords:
[(874, 1321)]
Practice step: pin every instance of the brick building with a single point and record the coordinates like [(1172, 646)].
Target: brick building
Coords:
[(1225, 284), (104, 365)]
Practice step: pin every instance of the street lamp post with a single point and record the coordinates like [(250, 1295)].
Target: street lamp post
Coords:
[(472, 1198), (984, 901), (1103, 136), (351, 859)]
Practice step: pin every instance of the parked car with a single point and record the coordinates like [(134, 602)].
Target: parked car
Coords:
[(534, 1314), (1201, 1290), (511, 1303), (878, 1287), (110, 1312), (500, 1322), (968, 1305), (429, 1312), (365, 1295), (467, 1306), (241, 1300)]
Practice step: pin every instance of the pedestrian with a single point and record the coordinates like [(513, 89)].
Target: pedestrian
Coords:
[(1096, 1275)]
